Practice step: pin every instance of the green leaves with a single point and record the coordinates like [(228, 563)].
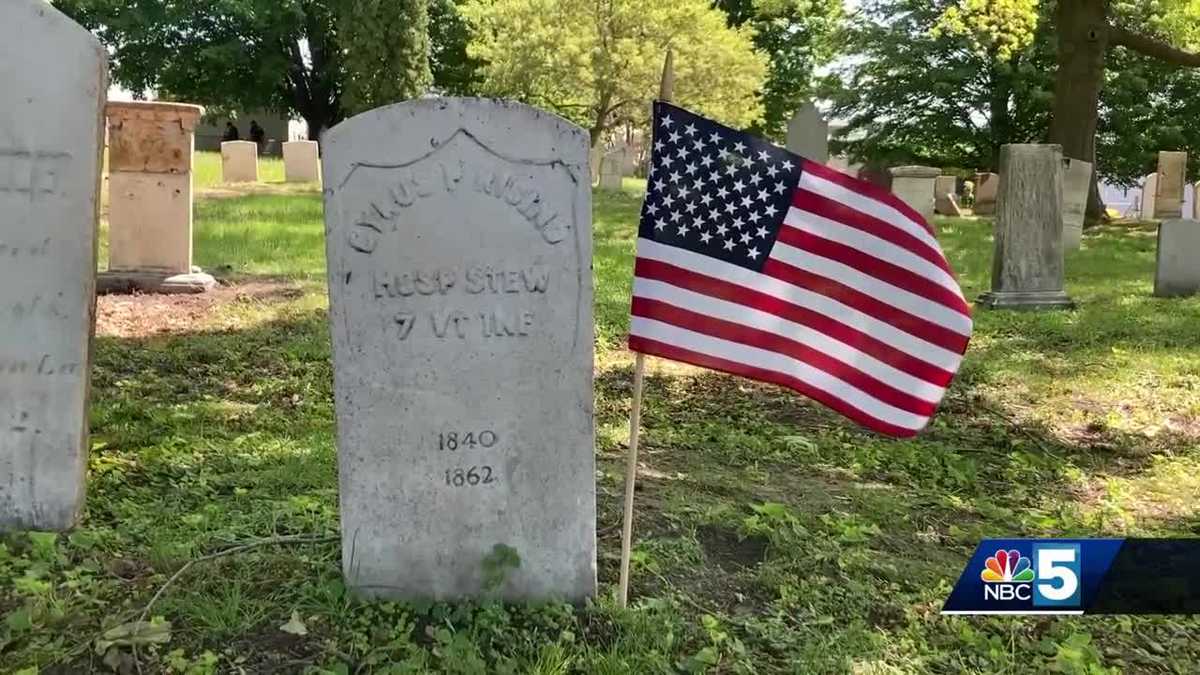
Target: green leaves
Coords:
[(386, 52)]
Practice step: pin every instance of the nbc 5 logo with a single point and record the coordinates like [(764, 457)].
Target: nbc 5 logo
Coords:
[(1050, 579), (1058, 575)]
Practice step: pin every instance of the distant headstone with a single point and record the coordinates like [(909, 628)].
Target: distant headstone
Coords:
[(459, 245), (1195, 202), (1149, 192), (944, 189), (1077, 185), (1178, 270), (51, 136), (986, 188), (808, 134), (1172, 173), (613, 167), (302, 162), (844, 165), (239, 162), (1027, 266), (1189, 201), (150, 199), (914, 185)]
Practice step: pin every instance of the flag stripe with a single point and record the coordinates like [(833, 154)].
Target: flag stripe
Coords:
[(868, 388), (838, 263), (789, 286), (711, 352), (799, 340), (927, 331), (855, 337), (838, 212), (865, 197)]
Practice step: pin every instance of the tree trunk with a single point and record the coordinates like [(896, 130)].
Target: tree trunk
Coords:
[(1000, 125), (1083, 36)]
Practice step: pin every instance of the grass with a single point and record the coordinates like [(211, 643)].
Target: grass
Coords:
[(772, 537)]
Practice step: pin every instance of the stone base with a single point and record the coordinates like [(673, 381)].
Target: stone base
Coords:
[(152, 282), (1026, 300)]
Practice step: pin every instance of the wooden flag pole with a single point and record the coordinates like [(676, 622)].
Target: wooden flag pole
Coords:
[(665, 93)]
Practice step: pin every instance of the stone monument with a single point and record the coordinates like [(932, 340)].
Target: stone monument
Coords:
[(459, 245), (986, 186), (239, 162), (150, 199), (944, 189), (302, 162), (51, 140), (1149, 191), (1027, 266), (808, 134), (1172, 174), (1178, 270), (1077, 184), (612, 168), (914, 185)]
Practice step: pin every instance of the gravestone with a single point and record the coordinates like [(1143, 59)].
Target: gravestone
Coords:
[(150, 199), (302, 162), (53, 75), (1189, 201), (459, 246), (239, 162), (1149, 193), (944, 189), (986, 187), (1178, 270), (1172, 173), (808, 134), (1027, 266), (914, 185), (612, 168), (1195, 202), (1077, 184)]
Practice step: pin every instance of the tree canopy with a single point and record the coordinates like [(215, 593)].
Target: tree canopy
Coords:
[(599, 63)]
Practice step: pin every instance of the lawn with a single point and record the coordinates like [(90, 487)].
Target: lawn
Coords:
[(772, 537)]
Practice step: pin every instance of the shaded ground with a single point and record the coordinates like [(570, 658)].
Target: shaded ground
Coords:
[(145, 315)]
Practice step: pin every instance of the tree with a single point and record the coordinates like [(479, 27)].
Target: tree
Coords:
[(1087, 32), (284, 55), (598, 62), (455, 72), (797, 36), (386, 55), (916, 91)]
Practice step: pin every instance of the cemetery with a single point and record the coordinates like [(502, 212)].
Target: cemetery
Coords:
[(391, 400)]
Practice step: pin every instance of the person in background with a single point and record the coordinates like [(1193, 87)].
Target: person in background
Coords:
[(231, 133), (258, 135)]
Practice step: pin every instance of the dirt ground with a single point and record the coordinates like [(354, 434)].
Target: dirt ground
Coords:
[(145, 315)]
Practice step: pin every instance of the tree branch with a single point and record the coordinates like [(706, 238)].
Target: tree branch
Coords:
[(1152, 47)]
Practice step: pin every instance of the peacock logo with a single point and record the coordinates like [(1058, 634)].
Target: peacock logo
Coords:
[(1007, 567)]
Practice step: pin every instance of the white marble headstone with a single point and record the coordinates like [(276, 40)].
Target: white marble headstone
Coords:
[(53, 78), (808, 134), (459, 248)]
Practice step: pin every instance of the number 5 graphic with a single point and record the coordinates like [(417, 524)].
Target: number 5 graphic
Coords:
[(1058, 569)]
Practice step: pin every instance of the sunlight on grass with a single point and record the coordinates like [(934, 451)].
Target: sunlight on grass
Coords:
[(207, 170)]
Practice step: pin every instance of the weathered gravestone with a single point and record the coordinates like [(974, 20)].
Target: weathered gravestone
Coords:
[(53, 77), (150, 199), (944, 189), (459, 250), (986, 187), (1027, 267), (1149, 190), (1077, 183), (808, 134), (1178, 270), (302, 162), (239, 162), (1172, 173), (612, 168), (914, 186)]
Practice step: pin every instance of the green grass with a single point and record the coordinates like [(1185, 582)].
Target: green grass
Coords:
[(206, 170), (772, 537)]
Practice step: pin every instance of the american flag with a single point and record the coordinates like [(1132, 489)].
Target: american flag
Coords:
[(757, 262)]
